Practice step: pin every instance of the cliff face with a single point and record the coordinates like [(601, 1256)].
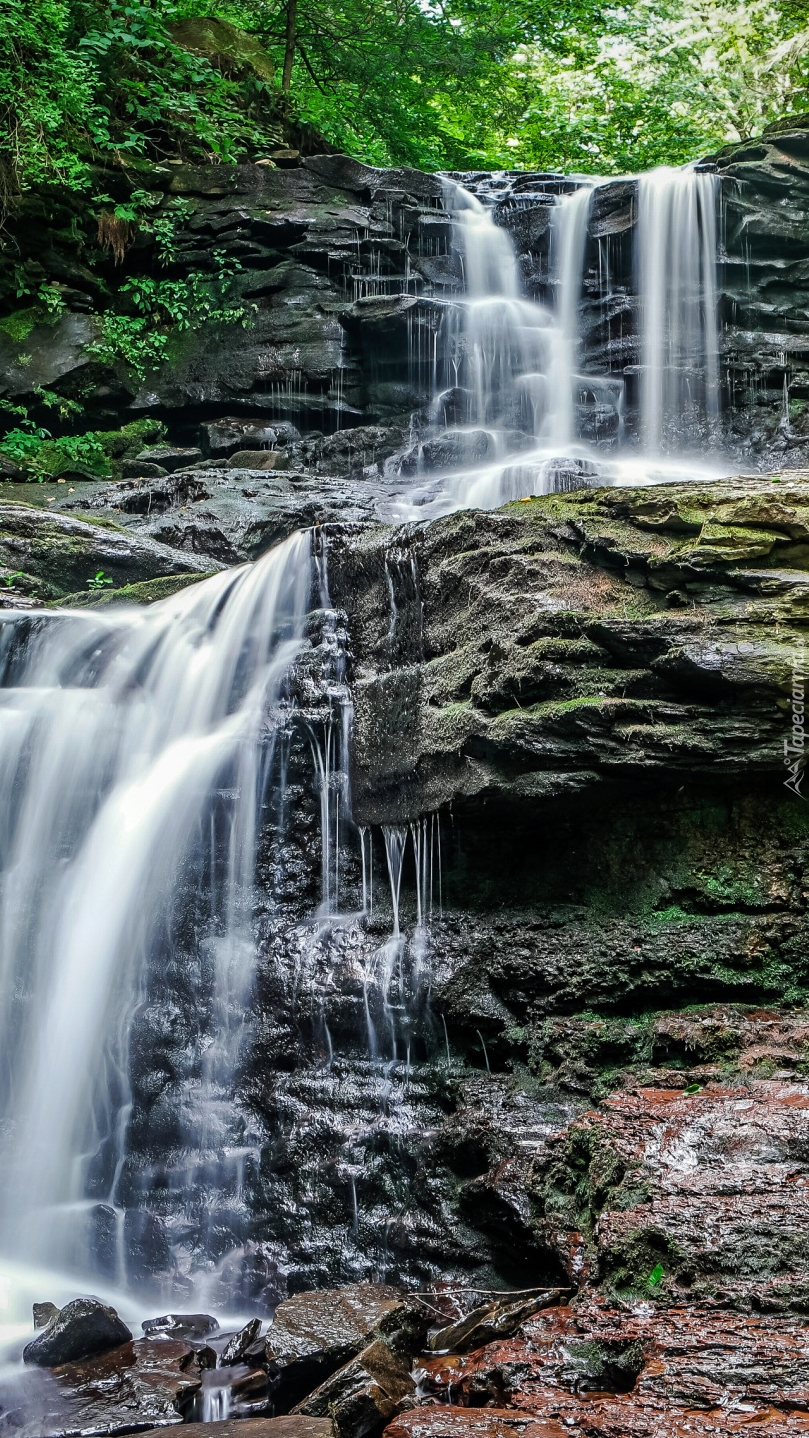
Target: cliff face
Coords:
[(296, 246)]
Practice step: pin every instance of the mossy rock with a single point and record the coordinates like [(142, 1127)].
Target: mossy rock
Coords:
[(148, 591)]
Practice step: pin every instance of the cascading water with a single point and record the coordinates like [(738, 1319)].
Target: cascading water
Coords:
[(515, 368), (679, 392), (137, 747)]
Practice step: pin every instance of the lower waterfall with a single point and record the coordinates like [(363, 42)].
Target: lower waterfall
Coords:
[(138, 748)]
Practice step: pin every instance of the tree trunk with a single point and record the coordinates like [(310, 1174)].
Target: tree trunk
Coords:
[(289, 49)]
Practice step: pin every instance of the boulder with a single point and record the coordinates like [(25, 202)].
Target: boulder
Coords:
[(137, 1386), (237, 1346), (84, 1328), (44, 1313), (230, 49), (220, 438), (497, 1319), (11, 472), (168, 457), (313, 1334), (181, 1325), (709, 1189), (363, 1395), (258, 459)]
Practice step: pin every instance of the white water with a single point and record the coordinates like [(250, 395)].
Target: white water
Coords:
[(679, 400), (135, 749), (519, 363)]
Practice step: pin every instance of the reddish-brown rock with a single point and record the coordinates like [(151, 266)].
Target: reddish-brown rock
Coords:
[(452, 1422), (708, 1188), (646, 1372)]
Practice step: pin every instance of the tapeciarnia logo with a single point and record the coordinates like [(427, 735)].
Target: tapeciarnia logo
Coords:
[(795, 745)]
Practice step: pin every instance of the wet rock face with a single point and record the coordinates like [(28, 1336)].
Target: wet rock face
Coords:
[(50, 556), (306, 242), (537, 651), (708, 1183)]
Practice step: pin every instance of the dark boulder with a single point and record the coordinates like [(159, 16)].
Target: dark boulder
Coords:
[(220, 438), (237, 1346), (44, 1313), (82, 1329), (181, 1325)]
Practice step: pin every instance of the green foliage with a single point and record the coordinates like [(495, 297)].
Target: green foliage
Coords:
[(99, 580), (32, 446), (581, 84), (97, 452), (656, 1275), (160, 309)]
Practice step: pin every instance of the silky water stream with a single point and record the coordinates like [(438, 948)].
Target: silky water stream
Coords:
[(516, 367)]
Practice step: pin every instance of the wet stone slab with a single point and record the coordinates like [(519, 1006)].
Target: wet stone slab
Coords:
[(138, 1386)]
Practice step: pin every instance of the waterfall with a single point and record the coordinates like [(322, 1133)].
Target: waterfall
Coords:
[(516, 370), (141, 750), (679, 392), (137, 746), (569, 220)]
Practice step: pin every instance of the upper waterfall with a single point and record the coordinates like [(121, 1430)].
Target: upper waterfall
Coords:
[(527, 412)]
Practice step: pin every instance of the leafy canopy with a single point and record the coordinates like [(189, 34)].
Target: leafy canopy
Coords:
[(581, 84)]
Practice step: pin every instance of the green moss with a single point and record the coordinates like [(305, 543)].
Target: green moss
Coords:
[(130, 439), (672, 915), (147, 591), (20, 323)]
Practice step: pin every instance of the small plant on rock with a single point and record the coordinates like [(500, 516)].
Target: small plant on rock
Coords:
[(99, 579)]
